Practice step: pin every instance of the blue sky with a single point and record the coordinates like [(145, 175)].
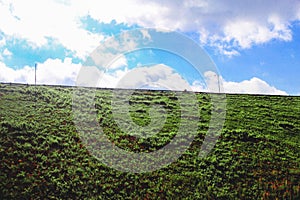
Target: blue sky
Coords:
[(255, 45), (277, 62)]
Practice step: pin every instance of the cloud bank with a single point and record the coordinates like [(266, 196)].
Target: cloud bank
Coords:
[(227, 25), (160, 76), (52, 71)]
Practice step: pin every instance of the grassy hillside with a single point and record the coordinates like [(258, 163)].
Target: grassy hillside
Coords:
[(42, 156)]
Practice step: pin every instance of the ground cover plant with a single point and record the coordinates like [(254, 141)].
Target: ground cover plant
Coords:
[(42, 156)]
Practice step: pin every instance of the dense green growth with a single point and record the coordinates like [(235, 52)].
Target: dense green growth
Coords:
[(42, 156)]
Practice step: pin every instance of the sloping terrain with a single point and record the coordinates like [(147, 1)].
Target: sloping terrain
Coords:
[(43, 156)]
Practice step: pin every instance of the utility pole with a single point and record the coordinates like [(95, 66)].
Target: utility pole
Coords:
[(219, 82), (35, 89), (218, 77), (35, 66)]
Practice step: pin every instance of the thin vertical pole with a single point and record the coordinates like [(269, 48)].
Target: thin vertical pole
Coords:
[(35, 73), (218, 77), (219, 82), (35, 89)]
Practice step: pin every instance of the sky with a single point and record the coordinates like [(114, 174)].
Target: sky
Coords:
[(255, 45)]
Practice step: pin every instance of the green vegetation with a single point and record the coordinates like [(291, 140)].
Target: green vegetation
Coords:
[(42, 156)]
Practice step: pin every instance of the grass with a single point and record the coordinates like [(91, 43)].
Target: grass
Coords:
[(43, 155)]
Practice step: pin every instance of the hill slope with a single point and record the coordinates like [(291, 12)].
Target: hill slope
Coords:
[(42, 155)]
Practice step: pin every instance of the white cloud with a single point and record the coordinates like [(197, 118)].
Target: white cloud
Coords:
[(252, 86), (6, 52), (88, 76), (213, 82), (55, 71), (2, 42), (225, 51), (111, 80), (226, 24), (35, 21), (199, 86), (50, 72), (119, 62), (246, 33), (105, 54), (145, 34), (161, 76), (158, 76), (9, 75)]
